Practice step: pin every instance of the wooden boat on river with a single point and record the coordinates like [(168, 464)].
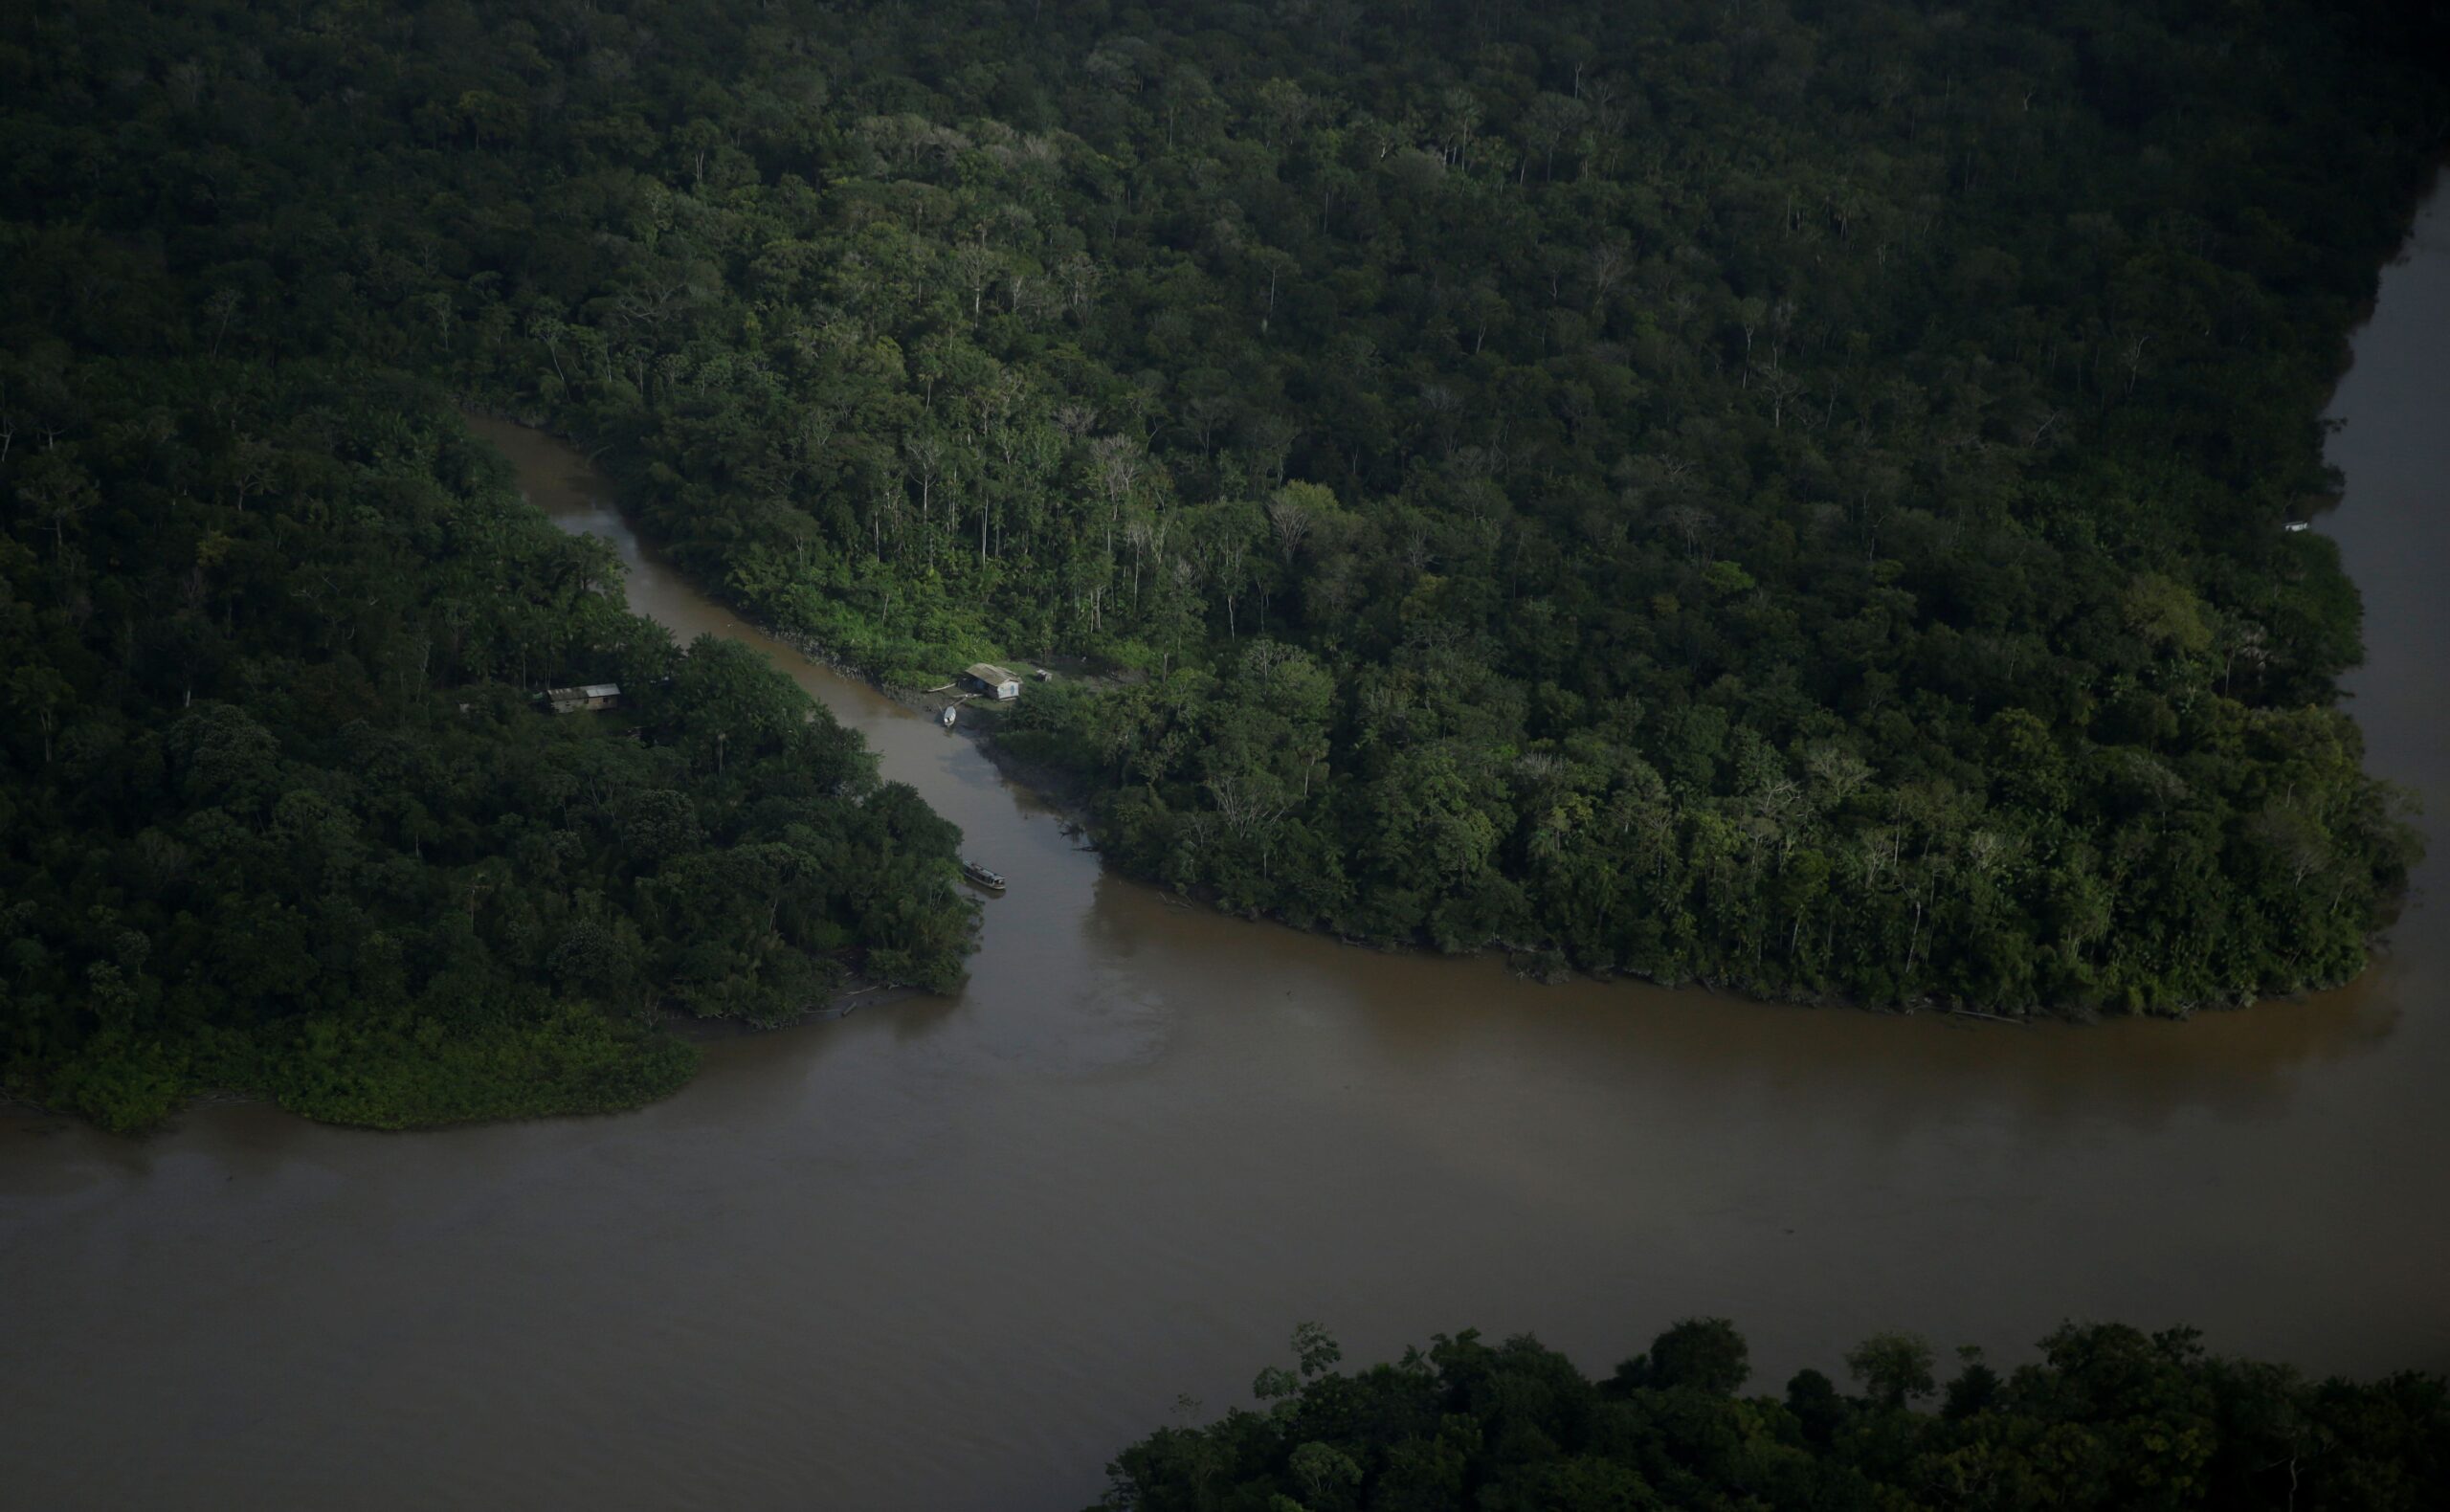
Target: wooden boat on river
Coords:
[(980, 876)]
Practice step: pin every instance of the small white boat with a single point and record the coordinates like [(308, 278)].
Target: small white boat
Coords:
[(981, 877), (951, 713)]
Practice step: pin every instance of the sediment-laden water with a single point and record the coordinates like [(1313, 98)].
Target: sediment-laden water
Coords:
[(952, 1252)]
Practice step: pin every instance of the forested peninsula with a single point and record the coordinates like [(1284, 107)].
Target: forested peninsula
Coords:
[(1790, 496), (2109, 1417), (283, 817)]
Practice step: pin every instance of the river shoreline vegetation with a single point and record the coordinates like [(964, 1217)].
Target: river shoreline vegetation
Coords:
[(1784, 495), (283, 818), (2109, 1418)]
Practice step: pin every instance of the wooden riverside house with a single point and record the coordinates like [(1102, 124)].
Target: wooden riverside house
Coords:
[(580, 699), (994, 681)]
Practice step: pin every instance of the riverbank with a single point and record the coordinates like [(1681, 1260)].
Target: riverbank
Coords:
[(857, 994), (683, 1030), (1140, 1128), (1066, 792)]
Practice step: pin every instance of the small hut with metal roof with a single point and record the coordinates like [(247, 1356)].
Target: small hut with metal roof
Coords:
[(993, 680)]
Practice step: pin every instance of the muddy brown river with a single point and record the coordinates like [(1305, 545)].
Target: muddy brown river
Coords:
[(953, 1252)]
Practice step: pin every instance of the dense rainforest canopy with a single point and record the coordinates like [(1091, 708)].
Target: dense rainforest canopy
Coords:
[(2107, 1418), (280, 814), (277, 810), (1784, 494)]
